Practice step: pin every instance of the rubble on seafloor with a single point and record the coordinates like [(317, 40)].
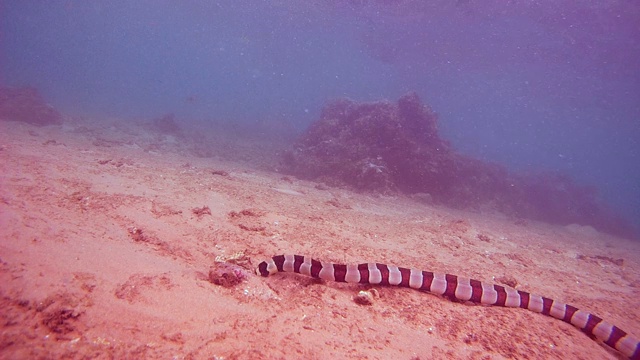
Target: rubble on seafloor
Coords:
[(391, 148)]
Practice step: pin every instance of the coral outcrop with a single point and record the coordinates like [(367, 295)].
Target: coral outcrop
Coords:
[(390, 147), (166, 125), (27, 105), (385, 147)]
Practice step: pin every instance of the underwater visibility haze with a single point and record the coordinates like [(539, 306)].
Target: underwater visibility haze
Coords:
[(535, 86), (162, 162)]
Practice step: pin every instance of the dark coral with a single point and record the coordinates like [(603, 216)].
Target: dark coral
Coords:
[(27, 105), (367, 146), (226, 274), (386, 147), (166, 125)]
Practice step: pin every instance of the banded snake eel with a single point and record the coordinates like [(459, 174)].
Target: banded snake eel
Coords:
[(455, 287)]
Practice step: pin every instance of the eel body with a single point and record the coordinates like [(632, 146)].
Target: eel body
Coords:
[(455, 287)]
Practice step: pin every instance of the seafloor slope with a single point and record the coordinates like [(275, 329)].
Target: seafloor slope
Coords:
[(108, 235)]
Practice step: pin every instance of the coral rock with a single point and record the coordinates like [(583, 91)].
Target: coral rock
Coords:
[(27, 105)]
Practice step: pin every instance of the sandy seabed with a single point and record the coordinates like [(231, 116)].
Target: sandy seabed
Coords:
[(106, 249)]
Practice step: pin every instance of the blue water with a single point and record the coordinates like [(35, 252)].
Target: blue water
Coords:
[(531, 84)]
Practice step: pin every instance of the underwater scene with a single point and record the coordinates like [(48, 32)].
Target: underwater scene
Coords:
[(319, 179)]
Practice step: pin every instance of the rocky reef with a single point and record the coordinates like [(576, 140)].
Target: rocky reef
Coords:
[(27, 105), (387, 147)]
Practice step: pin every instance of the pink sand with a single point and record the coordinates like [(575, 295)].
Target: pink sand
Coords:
[(77, 282)]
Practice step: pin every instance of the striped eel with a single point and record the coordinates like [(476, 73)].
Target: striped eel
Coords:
[(455, 287)]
